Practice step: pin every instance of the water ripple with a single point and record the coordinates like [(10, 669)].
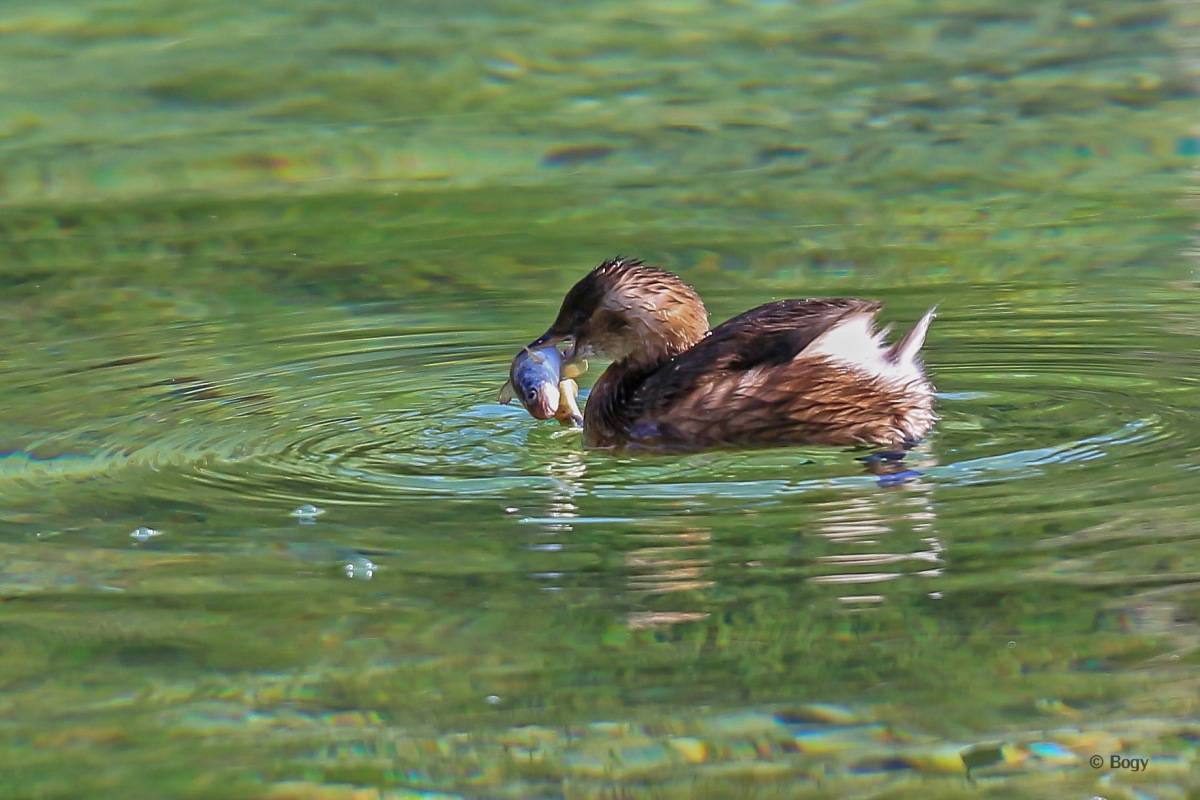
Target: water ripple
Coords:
[(376, 411)]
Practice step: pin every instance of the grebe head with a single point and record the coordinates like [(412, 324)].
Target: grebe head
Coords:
[(625, 310)]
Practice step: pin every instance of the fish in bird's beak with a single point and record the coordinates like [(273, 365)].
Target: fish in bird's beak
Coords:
[(540, 378)]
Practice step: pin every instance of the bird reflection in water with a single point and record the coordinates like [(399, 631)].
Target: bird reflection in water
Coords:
[(869, 529), (867, 524), (668, 562), (672, 562)]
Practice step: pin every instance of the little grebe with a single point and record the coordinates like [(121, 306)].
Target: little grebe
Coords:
[(792, 371)]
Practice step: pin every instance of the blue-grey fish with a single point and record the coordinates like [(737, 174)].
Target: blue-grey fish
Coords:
[(542, 381)]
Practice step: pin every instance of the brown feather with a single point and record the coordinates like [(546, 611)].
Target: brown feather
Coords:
[(792, 371)]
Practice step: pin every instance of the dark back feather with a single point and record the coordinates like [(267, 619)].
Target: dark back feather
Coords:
[(769, 335)]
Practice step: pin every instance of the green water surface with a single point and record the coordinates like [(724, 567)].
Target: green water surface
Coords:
[(265, 531)]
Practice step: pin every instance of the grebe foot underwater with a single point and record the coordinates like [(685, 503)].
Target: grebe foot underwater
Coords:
[(811, 371)]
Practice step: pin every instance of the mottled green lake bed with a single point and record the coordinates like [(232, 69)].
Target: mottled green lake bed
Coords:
[(266, 532)]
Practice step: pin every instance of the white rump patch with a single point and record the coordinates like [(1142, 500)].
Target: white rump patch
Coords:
[(854, 343)]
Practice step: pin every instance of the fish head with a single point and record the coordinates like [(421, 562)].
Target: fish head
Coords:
[(540, 398), (534, 377)]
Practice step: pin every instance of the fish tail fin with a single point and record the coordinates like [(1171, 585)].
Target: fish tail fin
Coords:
[(507, 393)]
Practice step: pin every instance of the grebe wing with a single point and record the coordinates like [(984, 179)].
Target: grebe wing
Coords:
[(769, 335)]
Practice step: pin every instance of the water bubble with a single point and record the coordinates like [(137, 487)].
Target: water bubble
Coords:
[(1012, 645), (307, 513), (492, 699), (144, 534), (362, 569)]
